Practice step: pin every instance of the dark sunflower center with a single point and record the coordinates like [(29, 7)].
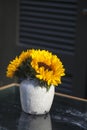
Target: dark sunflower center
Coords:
[(41, 64)]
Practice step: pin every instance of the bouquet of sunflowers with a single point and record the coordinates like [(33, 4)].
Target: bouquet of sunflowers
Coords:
[(38, 64)]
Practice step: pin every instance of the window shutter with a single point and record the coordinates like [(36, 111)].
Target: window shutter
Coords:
[(50, 25)]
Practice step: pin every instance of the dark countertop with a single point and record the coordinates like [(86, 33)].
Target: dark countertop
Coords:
[(65, 114)]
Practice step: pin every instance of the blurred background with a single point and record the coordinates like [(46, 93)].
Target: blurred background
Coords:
[(59, 26)]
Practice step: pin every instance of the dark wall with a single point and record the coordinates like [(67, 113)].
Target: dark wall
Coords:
[(8, 14), (80, 65)]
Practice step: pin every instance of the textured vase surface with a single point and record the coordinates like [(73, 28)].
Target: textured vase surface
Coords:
[(34, 98)]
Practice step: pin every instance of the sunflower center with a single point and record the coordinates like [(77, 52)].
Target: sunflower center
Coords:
[(41, 64)]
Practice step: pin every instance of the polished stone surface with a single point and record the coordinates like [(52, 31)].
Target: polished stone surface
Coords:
[(65, 114)]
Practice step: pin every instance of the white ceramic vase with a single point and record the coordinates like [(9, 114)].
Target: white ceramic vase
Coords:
[(34, 98)]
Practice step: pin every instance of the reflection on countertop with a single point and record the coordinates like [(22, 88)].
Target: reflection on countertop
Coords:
[(65, 114), (32, 122)]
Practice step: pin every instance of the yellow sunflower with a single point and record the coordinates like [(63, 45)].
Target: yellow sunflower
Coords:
[(48, 67), (12, 67), (25, 55), (39, 64), (17, 62)]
